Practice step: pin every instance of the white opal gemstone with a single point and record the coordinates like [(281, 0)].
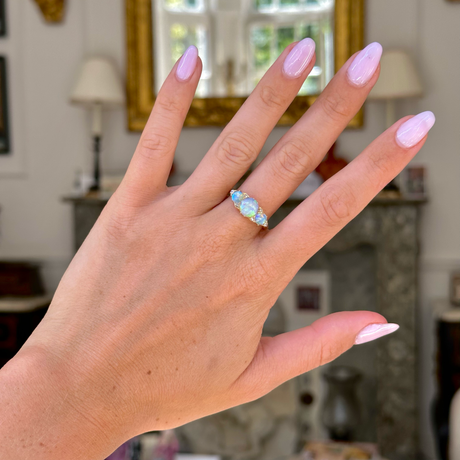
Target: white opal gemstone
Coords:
[(260, 218), (237, 197), (249, 207)]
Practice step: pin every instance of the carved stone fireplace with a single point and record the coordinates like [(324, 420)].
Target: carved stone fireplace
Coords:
[(373, 263)]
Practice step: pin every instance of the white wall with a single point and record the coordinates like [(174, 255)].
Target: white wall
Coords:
[(50, 137)]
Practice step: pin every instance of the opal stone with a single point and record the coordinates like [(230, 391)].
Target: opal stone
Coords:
[(260, 218), (237, 197), (249, 207)]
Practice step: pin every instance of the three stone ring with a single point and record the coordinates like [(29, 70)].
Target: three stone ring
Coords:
[(249, 208)]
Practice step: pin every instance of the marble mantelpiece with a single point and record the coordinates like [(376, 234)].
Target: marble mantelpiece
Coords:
[(390, 228)]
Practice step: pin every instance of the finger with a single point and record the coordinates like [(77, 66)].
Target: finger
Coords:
[(152, 161), (241, 141), (300, 151), (313, 223), (288, 355)]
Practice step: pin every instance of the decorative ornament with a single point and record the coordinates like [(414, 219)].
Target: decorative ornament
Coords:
[(53, 10)]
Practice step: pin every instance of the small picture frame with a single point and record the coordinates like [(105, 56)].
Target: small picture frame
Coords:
[(414, 181), (455, 288), (2, 19), (4, 121), (306, 298)]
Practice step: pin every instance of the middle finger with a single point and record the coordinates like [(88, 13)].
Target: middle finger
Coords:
[(241, 141)]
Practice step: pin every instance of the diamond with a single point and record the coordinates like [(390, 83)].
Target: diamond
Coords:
[(249, 207)]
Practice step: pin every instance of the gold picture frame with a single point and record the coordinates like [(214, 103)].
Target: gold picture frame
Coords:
[(52, 10), (349, 38)]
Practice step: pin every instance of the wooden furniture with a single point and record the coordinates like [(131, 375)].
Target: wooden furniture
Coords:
[(18, 318)]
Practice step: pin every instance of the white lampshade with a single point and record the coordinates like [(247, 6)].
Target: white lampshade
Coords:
[(98, 83), (398, 77)]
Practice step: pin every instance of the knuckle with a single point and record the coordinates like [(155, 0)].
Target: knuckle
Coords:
[(380, 166), (169, 104), (294, 159), (326, 350), (336, 205), (236, 150), (155, 145), (271, 98), (335, 106)]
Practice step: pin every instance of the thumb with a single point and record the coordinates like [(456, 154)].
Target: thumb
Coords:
[(288, 355)]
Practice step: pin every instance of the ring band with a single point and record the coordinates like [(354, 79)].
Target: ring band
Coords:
[(249, 208)]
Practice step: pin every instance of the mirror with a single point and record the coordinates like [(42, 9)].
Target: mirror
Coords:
[(238, 40), (262, 28)]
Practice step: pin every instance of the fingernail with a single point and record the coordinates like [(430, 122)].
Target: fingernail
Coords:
[(414, 130), (375, 331), (187, 64), (365, 64), (299, 58)]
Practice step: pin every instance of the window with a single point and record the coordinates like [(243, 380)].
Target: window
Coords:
[(277, 23)]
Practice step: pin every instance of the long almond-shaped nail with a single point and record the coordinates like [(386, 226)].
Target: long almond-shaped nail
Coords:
[(414, 130), (375, 331), (187, 64), (365, 64), (299, 58)]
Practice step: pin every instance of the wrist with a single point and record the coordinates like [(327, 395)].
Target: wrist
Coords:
[(41, 416)]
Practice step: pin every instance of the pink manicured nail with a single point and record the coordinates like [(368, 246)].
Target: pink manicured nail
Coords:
[(375, 331), (365, 64), (187, 64), (414, 130), (299, 58)]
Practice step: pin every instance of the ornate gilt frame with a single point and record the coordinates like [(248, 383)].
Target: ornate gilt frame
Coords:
[(349, 38), (52, 10)]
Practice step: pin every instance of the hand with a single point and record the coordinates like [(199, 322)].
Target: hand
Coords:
[(158, 319)]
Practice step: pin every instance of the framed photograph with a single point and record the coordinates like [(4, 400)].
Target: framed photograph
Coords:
[(4, 123), (2, 19), (306, 298), (414, 181)]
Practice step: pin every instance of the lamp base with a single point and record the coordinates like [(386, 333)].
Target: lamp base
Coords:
[(96, 187)]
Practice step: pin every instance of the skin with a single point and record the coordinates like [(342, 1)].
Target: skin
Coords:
[(158, 319)]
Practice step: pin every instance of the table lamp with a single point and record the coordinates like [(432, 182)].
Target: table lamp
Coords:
[(98, 87), (398, 79)]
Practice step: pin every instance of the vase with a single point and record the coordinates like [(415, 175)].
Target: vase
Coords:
[(341, 410)]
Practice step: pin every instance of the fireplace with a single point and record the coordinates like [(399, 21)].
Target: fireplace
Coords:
[(373, 265)]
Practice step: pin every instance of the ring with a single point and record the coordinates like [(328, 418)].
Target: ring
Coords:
[(249, 208)]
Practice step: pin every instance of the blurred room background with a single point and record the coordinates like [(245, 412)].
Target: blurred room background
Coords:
[(61, 108)]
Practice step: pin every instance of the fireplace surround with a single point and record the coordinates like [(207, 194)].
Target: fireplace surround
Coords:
[(381, 243)]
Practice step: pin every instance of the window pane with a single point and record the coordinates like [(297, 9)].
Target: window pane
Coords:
[(262, 4), (289, 3), (183, 36), (285, 37), (184, 5), (310, 30), (261, 39), (174, 4)]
